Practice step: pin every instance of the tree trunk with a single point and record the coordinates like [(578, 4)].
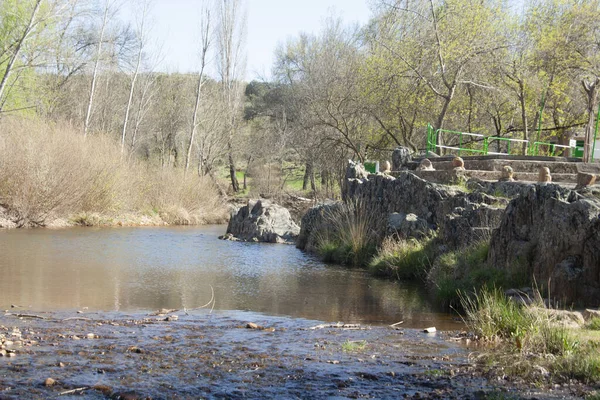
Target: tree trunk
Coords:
[(308, 171), (440, 121), (523, 115), (205, 23), (135, 75), (88, 113), (591, 90), (234, 181)]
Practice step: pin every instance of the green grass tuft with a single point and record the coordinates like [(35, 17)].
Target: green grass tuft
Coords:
[(403, 259)]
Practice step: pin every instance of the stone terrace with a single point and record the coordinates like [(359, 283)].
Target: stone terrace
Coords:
[(564, 170)]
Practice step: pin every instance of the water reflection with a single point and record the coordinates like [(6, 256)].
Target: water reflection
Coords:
[(150, 268)]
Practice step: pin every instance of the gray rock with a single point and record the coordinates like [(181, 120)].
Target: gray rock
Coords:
[(401, 158), (553, 235), (408, 226), (313, 222), (262, 221), (590, 314)]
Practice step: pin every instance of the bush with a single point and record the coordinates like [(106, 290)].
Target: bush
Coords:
[(50, 171)]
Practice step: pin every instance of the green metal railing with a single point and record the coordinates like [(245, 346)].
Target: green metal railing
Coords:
[(508, 141), (551, 146), (434, 135)]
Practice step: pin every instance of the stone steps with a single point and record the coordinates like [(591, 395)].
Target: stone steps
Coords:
[(556, 167), (520, 176)]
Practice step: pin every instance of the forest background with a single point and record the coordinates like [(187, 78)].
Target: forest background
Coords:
[(89, 124)]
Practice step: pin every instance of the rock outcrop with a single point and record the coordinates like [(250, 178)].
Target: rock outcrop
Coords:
[(312, 224), (553, 235), (262, 221), (401, 158), (413, 208)]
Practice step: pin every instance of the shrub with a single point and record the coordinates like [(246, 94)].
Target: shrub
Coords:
[(49, 171), (403, 259)]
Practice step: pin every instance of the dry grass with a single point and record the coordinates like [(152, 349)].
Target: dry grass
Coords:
[(50, 171), (350, 234)]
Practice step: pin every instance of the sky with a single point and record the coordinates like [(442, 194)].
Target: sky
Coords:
[(175, 28)]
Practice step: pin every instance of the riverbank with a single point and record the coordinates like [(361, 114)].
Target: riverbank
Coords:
[(237, 355)]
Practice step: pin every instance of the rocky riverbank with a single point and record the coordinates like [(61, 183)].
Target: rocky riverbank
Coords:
[(237, 355), (536, 233)]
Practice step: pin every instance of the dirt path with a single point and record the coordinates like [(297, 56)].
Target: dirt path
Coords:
[(201, 355)]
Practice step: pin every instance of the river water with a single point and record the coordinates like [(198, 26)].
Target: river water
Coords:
[(133, 269)]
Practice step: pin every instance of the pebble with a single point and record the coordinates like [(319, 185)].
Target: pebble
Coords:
[(91, 336), (172, 318), (251, 325), (49, 382), (430, 330)]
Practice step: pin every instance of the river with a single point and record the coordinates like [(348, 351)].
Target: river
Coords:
[(149, 268)]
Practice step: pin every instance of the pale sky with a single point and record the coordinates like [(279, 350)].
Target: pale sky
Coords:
[(175, 25)]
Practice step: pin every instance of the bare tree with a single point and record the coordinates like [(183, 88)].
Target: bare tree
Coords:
[(141, 36), (88, 114), (231, 66), (205, 40)]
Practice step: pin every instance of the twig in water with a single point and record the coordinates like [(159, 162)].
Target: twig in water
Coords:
[(396, 324), (212, 301), (81, 389), (27, 316)]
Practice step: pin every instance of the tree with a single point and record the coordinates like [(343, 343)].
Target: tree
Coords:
[(141, 39), (205, 42), (442, 43), (231, 67)]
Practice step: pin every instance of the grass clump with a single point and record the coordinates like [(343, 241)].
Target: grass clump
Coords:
[(467, 268), (354, 345), (593, 324), (350, 235), (532, 339), (403, 259)]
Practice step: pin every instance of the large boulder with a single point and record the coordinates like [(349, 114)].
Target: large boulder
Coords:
[(313, 223), (262, 221), (553, 235)]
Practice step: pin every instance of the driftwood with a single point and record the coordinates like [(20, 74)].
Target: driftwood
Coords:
[(26, 316), (81, 389), (339, 325)]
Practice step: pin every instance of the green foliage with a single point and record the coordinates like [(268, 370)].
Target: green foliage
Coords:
[(354, 345), (534, 336), (593, 324), (404, 259)]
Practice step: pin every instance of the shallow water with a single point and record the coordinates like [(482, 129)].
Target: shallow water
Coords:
[(126, 269)]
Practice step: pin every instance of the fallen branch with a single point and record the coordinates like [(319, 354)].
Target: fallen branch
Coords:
[(396, 324), (81, 389), (76, 319), (339, 325), (26, 316)]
